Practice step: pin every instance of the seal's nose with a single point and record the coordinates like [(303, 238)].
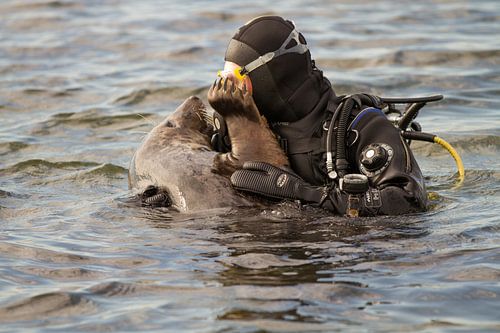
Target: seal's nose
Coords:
[(195, 102), (195, 99)]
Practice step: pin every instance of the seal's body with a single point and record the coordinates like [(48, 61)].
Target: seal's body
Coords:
[(176, 157)]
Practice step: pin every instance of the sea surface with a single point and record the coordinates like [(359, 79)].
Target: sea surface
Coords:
[(82, 82)]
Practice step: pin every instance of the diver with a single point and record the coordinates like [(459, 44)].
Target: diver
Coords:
[(345, 154)]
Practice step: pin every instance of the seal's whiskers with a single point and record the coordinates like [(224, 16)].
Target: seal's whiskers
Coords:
[(152, 123), (207, 116)]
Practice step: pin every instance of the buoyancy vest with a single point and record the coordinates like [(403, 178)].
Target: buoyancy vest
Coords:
[(399, 182), (304, 141)]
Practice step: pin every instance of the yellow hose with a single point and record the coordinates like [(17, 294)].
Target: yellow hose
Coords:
[(453, 152)]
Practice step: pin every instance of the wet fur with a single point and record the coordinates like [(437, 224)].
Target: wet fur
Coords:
[(251, 137)]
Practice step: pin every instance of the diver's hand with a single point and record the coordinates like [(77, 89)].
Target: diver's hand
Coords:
[(272, 182)]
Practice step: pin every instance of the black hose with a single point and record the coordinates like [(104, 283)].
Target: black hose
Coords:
[(341, 163), (344, 109), (329, 162), (409, 115), (420, 136)]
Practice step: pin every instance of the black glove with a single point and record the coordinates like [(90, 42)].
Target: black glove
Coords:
[(272, 182)]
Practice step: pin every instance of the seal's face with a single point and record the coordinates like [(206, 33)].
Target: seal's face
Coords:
[(176, 158), (189, 116), (188, 126)]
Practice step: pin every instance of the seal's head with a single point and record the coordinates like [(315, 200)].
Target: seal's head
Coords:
[(285, 81), (191, 115), (189, 125), (175, 157)]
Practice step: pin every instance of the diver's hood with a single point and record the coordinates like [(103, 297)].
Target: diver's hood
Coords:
[(289, 86)]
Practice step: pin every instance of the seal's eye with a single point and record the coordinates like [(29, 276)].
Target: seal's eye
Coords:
[(169, 124)]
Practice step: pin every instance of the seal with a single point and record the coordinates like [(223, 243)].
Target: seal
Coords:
[(176, 162)]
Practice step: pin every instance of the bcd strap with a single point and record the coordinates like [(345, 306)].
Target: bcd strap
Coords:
[(283, 144), (300, 145)]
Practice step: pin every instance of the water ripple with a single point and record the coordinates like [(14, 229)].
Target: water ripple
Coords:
[(55, 304)]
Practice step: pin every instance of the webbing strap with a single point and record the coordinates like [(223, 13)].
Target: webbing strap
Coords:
[(301, 145)]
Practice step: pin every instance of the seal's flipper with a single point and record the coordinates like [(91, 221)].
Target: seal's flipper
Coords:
[(250, 135), (230, 101)]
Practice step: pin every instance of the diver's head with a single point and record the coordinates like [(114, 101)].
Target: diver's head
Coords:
[(285, 81)]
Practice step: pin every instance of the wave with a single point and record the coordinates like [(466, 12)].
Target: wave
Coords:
[(195, 52), (114, 288), (64, 92), (43, 165), (262, 261), (60, 304), (27, 5), (5, 194), (107, 169), (235, 16), (89, 119), (61, 273), (476, 144), (139, 95), (77, 170), (484, 180), (11, 147), (417, 58), (59, 261), (476, 183)]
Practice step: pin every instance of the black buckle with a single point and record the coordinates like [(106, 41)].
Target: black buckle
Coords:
[(283, 144)]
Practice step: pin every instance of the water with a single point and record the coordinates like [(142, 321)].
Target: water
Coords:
[(81, 82)]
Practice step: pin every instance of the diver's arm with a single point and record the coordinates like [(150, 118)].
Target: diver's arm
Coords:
[(277, 183), (280, 183)]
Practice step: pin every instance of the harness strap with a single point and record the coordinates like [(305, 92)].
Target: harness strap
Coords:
[(301, 145)]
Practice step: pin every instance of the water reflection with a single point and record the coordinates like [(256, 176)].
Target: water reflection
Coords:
[(303, 269)]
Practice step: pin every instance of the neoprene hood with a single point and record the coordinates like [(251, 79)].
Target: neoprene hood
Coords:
[(289, 86)]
